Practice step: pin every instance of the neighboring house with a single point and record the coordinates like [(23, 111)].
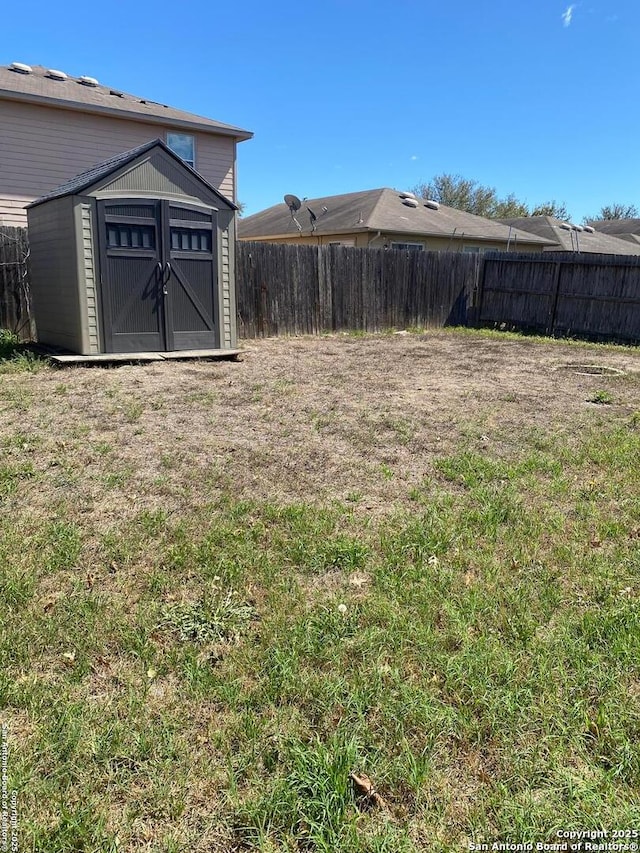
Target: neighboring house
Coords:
[(384, 218), (54, 126), (572, 238), (623, 229)]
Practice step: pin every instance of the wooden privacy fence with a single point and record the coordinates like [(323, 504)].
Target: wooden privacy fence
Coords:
[(559, 293), (291, 289), (15, 302)]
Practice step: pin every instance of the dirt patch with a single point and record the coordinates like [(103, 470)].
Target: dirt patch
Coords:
[(356, 419)]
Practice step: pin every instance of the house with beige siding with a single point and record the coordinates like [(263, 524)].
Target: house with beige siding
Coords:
[(54, 126), (384, 218)]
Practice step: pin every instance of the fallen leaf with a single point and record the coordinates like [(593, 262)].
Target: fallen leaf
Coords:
[(69, 656)]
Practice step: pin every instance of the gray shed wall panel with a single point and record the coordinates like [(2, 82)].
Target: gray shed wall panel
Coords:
[(54, 274)]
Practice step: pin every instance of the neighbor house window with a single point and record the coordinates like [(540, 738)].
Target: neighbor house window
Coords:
[(408, 247), (184, 145)]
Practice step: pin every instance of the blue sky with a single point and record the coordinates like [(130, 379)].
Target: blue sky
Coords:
[(534, 97)]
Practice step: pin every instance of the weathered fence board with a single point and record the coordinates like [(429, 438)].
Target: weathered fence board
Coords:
[(289, 289), (15, 302), (559, 293)]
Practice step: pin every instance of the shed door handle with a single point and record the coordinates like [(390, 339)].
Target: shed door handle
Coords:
[(167, 270)]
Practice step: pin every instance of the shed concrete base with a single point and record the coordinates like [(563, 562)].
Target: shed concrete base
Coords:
[(117, 357)]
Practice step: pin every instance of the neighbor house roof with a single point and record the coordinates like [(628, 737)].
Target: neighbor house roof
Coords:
[(380, 210), (39, 86), (624, 229), (571, 240), (102, 170)]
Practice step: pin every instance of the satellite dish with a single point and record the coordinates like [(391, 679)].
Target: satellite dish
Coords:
[(292, 202)]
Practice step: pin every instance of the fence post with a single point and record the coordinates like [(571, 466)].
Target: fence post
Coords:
[(555, 291), (476, 308)]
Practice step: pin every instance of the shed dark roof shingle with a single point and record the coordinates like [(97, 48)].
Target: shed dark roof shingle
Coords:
[(38, 86), (571, 241), (378, 210)]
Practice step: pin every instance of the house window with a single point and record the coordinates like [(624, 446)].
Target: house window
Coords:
[(408, 247), (474, 250), (184, 145)]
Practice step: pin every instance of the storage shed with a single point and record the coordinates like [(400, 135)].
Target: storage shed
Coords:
[(135, 255)]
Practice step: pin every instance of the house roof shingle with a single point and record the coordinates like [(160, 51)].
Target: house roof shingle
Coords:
[(102, 170), (569, 240), (378, 210), (38, 86), (617, 227)]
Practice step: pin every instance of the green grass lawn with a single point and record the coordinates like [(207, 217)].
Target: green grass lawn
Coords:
[(209, 679)]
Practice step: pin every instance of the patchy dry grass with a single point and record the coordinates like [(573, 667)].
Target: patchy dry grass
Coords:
[(226, 587)]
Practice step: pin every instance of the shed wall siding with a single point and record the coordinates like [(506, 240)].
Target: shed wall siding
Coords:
[(88, 263), (42, 147), (226, 280), (54, 274)]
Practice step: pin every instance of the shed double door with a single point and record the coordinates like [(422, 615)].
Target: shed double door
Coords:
[(159, 275)]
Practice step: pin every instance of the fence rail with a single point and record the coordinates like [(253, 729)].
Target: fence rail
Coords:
[(15, 301)]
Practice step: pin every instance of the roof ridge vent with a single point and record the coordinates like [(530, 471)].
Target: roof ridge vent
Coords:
[(56, 75), (589, 229), (88, 81), (21, 67), (432, 205), (407, 195), (411, 202), (565, 225)]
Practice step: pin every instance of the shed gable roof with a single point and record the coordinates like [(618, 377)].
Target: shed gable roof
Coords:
[(378, 210), (97, 175), (38, 86)]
